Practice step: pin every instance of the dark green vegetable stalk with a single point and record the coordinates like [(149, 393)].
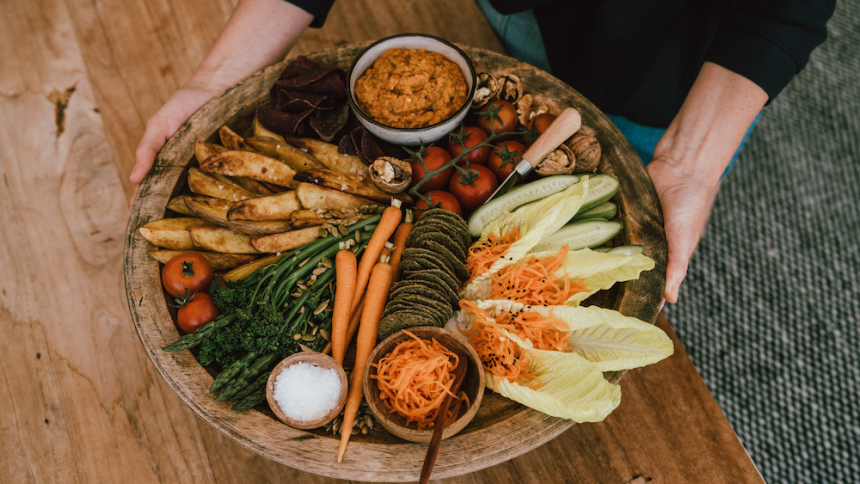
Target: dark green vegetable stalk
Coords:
[(266, 315)]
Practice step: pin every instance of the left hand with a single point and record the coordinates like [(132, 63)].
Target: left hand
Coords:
[(686, 200)]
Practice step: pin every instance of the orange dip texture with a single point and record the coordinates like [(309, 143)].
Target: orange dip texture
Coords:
[(411, 88)]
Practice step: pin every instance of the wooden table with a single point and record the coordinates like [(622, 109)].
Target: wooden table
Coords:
[(81, 401)]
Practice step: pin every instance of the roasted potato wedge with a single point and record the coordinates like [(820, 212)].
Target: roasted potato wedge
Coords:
[(177, 204), (202, 150), (285, 241), (349, 183), (252, 186), (220, 187), (221, 239), (296, 158), (220, 262), (172, 233), (307, 218), (215, 210), (327, 154), (246, 270), (252, 165), (261, 132), (232, 141), (314, 197), (272, 207)]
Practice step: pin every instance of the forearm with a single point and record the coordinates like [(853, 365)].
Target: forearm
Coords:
[(258, 34), (708, 129)]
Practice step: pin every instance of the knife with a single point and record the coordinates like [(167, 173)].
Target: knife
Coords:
[(561, 129)]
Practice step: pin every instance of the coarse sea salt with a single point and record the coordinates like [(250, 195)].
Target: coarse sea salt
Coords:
[(307, 391)]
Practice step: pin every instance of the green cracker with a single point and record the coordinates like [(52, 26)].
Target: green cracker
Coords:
[(457, 232), (443, 253), (445, 241), (395, 322), (435, 275)]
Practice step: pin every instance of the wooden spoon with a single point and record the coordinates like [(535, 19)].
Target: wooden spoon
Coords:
[(439, 423)]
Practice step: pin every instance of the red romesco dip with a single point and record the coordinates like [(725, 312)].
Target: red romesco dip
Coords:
[(411, 88)]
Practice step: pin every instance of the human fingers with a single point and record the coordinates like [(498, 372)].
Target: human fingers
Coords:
[(686, 204), (153, 139)]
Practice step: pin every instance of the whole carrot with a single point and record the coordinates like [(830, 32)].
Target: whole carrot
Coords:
[(345, 265), (377, 295), (386, 227), (400, 235)]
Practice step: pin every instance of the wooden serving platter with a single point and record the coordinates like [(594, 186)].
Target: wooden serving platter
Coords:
[(502, 429)]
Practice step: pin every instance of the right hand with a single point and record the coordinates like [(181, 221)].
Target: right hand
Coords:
[(161, 126)]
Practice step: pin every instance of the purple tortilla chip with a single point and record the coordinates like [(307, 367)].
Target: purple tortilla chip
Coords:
[(346, 145), (285, 124), (299, 101), (328, 122), (330, 84), (300, 66)]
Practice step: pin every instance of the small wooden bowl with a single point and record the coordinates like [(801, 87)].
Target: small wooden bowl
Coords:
[(318, 359), (473, 385)]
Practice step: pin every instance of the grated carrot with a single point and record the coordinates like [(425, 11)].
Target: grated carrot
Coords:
[(532, 282), (500, 355), (414, 379), (482, 255)]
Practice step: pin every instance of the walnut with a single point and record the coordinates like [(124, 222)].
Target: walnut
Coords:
[(487, 90), (510, 88), (560, 162), (390, 174), (586, 148)]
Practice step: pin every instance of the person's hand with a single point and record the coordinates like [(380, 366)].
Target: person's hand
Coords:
[(161, 126), (686, 199)]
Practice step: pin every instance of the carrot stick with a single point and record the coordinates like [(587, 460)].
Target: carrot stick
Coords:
[(386, 226), (345, 265), (377, 295), (400, 236)]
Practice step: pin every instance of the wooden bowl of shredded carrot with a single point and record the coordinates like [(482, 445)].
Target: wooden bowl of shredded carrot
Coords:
[(410, 373)]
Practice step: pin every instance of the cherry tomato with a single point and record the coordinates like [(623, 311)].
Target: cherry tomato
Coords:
[(439, 199), (499, 115), (434, 157), (538, 125), (473, 136), (504, 157), (473, 195), (197, 312), (186, 274)]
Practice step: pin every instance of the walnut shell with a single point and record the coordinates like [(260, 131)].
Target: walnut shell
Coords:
[(390, 174), (586, 149), (562, 161), (510, 88), (486, 90)]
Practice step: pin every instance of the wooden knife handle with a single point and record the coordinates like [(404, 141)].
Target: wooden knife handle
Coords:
[(561, 129)]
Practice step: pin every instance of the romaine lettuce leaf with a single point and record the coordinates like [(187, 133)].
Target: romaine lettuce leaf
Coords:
[(538, 220)]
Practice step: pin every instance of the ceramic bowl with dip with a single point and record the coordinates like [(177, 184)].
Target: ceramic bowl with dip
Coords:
[(307, 390), (410, 89), (473, 385)]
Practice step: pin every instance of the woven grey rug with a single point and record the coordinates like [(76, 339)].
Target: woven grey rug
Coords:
[(770, 310)]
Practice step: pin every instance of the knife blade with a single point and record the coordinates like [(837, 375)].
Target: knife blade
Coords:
[(564, 126)]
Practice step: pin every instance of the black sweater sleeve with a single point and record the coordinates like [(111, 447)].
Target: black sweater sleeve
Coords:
[(769, 41), (318, 8)]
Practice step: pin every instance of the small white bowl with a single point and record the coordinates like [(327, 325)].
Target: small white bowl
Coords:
[(411, 136)]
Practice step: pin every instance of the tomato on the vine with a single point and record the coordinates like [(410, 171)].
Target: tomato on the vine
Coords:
[(197, 312), (472, 195), (434, 157), (471, 137), (498, 116), (504, 158), (186, 274), (537, 126), (439, 199)]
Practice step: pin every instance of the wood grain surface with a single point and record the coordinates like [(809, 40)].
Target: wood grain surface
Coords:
[(82, 402)]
